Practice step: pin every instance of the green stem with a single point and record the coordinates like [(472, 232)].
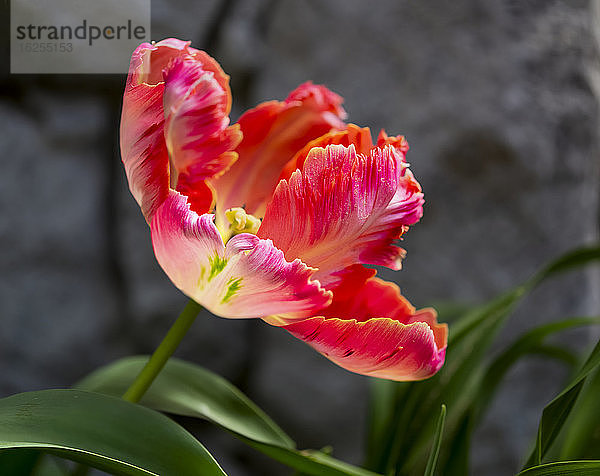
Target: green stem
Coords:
[(157, 361), (163, 352)]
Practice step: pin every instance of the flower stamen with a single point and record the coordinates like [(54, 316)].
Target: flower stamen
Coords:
[(239, 222)]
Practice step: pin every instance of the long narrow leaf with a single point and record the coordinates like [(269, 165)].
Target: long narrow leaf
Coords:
[(455, 385), (529, 343), (101, 431), (582, 433), (557, 411), (469, 341), (564, 468), (183, 387), (186, 389), (383, 396), (567, 262), (437, 441)]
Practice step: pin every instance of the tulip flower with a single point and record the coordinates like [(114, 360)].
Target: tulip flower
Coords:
[(276, 216)]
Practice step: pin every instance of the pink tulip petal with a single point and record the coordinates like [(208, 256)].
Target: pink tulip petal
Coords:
[(199, 147), (155, 57), (376, 332), (143, 149), (197, 132), (247, 278), (273, 132), (344, 208)]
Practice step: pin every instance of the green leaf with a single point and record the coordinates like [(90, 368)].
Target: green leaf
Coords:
[(101, 431), (495, 310), (470, 338), (557, 411), (454, 385), (564, 468), (315, 463), (582, 433), (529, 343), (469, 341), (187, 389), (567, 262), (437, 441), (458, 448), (383, 396)]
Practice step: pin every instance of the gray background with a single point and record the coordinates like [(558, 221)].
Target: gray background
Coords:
[(499, 102)]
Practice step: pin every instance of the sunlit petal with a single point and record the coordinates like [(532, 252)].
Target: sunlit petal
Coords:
[(344, 208), (170, 80), (248, 277), (273, 133), (360, 137), (375, 331), (143, 149), (197, 132)]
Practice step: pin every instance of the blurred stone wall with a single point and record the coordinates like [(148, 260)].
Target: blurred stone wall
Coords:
[(498, 100)]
